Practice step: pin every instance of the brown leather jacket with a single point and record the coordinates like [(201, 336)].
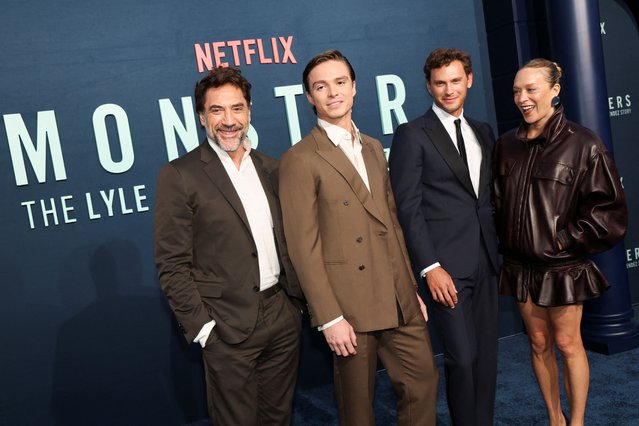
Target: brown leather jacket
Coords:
[(557, 198)]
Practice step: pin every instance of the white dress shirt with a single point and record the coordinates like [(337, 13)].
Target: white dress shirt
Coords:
[(473, 148), (249, 188), (352, 147)]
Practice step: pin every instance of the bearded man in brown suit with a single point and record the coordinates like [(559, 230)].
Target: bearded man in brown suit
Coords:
[(223, 263)]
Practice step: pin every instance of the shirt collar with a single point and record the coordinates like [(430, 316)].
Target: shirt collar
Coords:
[(445, 117), (336, 134)]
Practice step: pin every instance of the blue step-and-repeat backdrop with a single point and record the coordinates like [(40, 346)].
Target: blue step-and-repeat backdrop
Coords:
[(620, 38), (95, 97)]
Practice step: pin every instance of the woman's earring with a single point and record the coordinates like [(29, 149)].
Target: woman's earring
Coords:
[(555, 102)]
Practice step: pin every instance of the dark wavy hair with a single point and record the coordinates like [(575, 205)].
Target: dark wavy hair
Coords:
[(444, 56), (219, 77)]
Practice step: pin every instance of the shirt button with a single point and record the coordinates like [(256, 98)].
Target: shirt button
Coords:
[(359, 239), (362, 267), (346, 203)]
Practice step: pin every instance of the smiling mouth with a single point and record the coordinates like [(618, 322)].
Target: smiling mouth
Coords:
[(526, 108), (229, 132)]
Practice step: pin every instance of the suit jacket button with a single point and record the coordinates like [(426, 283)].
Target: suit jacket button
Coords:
[(362, 267), (253, 254), (256, 289), (346, 203), (359, 239)]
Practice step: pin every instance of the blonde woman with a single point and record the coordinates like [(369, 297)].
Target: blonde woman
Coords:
[(558, 197)]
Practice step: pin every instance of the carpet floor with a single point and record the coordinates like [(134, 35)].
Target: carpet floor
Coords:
[(613, 398)]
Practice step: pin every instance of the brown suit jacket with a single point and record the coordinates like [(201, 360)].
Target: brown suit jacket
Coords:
[(204, 250), (345, 242)]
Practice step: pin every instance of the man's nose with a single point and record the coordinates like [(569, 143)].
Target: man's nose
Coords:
[(227, 118)]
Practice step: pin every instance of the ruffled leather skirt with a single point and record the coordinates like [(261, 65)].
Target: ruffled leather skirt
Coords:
[(557, 284)]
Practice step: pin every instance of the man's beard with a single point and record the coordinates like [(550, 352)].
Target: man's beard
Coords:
[(226, 147)]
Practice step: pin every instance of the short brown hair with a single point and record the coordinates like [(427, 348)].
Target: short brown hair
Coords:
[(219, 77), (329, 55), (445, 56)]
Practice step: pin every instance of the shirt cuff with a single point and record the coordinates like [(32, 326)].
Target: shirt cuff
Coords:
[(204, 333), (330, 324), (428, 269)]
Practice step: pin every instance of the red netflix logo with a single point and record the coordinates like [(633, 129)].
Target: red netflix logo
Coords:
[(276, 50)]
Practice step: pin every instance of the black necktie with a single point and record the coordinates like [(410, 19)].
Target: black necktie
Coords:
[(460, 142)]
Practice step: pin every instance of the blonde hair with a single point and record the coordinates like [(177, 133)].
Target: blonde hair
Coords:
[(551, 70)]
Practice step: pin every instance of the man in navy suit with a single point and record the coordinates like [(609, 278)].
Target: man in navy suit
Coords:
[(440, 174)]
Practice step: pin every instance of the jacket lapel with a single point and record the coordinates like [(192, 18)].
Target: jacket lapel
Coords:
[(438, 135), (269, 190), (375, 179), (338, 160), (215, 171), (484, 170)]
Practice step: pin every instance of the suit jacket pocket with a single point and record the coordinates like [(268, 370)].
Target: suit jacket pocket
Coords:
[(209, 289)]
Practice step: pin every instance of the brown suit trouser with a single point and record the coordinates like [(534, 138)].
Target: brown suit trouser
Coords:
[(407, 354), (253, 382)]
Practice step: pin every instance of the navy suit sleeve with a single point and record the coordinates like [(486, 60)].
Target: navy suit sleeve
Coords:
[(406, 169)]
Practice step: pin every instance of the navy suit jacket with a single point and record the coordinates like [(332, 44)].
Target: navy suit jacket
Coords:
[(442, 217)]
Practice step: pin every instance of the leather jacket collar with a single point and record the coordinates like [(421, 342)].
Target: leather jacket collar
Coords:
[(554, 127)]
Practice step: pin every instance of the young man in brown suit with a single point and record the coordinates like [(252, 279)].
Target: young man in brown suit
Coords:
[(348, 250)]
